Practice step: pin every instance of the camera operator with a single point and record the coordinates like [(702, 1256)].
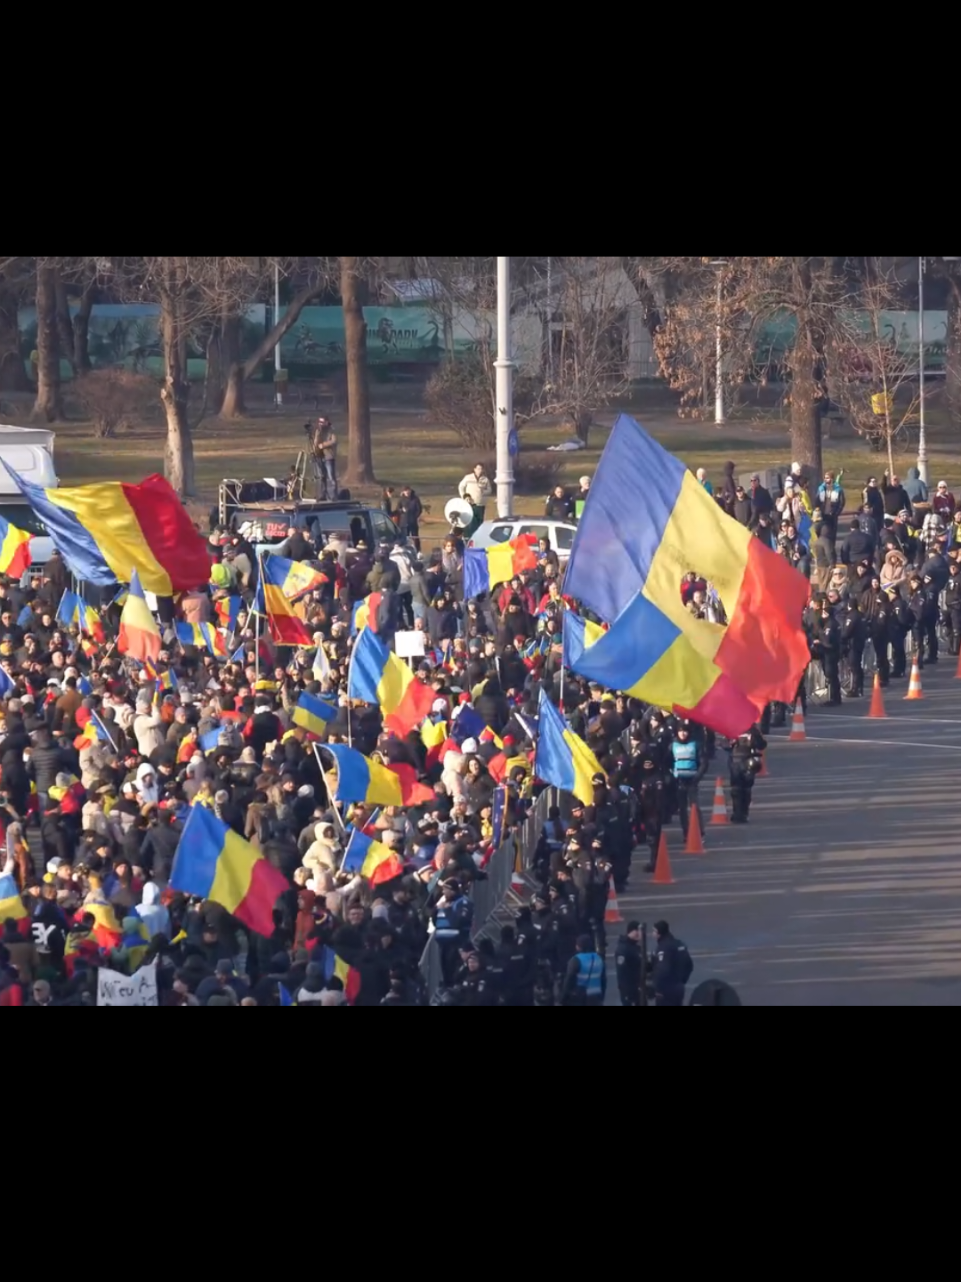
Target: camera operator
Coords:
[(323, 448)]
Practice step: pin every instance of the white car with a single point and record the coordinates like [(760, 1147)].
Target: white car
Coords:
[(560, 533)]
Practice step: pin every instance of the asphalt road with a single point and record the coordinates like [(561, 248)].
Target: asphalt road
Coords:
[(845, 887)]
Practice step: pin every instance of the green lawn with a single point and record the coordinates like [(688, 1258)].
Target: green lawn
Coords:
[(408, 449)]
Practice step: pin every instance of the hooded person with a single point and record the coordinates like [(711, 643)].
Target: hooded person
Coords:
[(324, 852), (152, 913), (147, 786)]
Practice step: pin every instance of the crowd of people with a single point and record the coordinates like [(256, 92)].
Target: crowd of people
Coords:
[(102, 758)]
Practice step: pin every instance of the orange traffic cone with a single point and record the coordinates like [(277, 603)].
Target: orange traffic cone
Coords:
[(798, 733), (695, 838), (914, 688), (763, 772), (719, 809), (957, 675), (876, 709), (612, 913), (662, 869)]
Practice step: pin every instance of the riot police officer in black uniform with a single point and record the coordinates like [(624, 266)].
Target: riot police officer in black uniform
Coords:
[(745, 763), (827, 649), (952, 607)]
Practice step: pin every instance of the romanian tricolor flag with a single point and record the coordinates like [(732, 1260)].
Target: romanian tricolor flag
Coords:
[(313, 714), (14, 549), (285, 627), (103, 530), (168, 680), (202, 635), (563, 759), (213, 862), (433, 735), (377, 676), (360, 779), (412, 791), (139, 635), (336, 968), (371, 859), (364, 614), (294, 578), (11, 905), (484, 568), (227, 610), (646, 522), (73, 612)]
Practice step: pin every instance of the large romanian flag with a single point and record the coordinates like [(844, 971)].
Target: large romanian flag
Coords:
[(14, 549), (103, 530), (272, 600), (294, 578), (377, 676), (484, 568), (213, 862), (139, 635), (646, 522)]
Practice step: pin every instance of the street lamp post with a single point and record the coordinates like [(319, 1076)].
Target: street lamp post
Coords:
[(504, 393), (719, 417), (922, 439), (278, 385)]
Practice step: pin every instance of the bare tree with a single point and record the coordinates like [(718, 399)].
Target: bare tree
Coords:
[(871, 375), (316, 275), (15, 276), (743, 296), (48, 405), (360, 461), (193, 294), (588, 334)]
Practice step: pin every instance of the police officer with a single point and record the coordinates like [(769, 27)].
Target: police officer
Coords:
[(923, 605), (563, 927), (627, 960), (453, 916), (652, 802), (517, 958), (853, 637), (899, 625), (827, 648), (745, 763), (585, 980), (672, 967), (590, 873), (688, 764)]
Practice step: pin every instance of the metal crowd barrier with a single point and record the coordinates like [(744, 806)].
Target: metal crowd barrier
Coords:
[(495, 899)]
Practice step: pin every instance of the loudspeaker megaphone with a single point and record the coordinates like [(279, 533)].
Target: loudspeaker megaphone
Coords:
[(459, 514)]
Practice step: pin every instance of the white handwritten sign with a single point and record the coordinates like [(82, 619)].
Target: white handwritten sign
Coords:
[(409, 645), (138, 989)]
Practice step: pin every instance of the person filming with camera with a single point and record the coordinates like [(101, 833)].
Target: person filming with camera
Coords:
[(323, 448)]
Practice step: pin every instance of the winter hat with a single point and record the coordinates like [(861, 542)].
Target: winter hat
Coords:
[(469, 746)]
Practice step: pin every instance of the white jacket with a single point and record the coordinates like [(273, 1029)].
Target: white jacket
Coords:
[(150, 731), (473, 490)]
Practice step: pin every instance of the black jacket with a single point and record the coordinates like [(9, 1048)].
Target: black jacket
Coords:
[(627, 957), (858, 546)]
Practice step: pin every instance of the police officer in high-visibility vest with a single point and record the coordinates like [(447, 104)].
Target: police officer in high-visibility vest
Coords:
[(585, 981), (688, 763)]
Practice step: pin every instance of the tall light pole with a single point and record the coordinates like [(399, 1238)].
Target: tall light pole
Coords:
[(504, 392), (719, 418), (922, 440), (278, 385)]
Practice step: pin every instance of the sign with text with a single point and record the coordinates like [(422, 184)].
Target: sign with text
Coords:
[(409, 645), (138, 989)]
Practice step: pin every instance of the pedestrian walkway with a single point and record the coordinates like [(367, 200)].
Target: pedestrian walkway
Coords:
[(845, 887)]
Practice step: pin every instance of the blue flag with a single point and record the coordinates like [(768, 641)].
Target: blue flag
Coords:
[(285, 997), (6, 684), (84, 686), (238, 655), (24, 617), (210, 740)]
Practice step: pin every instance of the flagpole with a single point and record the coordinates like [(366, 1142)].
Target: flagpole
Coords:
[(330, 793)]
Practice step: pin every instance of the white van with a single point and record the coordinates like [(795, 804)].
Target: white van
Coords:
[(29, 451)]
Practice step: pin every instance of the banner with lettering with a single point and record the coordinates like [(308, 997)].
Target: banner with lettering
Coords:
[(138, 989)]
